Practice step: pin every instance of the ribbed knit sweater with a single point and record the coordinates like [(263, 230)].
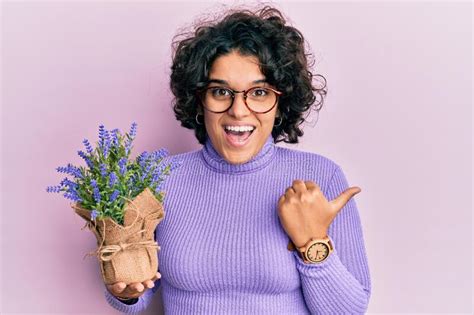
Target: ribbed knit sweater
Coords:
[(224, 250)]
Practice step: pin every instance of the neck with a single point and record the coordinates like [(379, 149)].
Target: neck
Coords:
[(214, 160)]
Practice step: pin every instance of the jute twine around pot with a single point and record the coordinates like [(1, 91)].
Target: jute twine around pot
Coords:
[(127, 253)]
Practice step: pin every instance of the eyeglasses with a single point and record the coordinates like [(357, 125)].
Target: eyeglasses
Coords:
[(258, 99)]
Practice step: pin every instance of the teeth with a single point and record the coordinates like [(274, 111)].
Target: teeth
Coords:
[(241, 128)]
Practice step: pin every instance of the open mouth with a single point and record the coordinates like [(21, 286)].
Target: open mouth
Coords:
[(238, 138)]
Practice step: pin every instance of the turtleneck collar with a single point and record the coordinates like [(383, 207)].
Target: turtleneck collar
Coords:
[(218, 163)]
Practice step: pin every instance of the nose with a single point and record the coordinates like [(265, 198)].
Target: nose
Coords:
[(239, 109)]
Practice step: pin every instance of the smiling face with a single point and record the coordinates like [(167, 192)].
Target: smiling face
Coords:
[(240, 73)]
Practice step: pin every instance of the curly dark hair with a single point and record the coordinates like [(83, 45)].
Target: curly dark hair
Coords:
[(279, 48)]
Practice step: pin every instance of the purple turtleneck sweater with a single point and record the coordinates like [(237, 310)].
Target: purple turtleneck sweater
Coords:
[(224, 251)]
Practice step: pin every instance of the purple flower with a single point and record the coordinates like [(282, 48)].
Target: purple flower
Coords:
[(157, 172), (131, 181), (106, 147), (55, 189), (142, 158), (103, 169), (128, 146), (159, 154), (68, 186), (115, 141), (133, 130), (158, 187), (114, 195), (104, 140), (71, 170), (96, 190), (88, 146), (132, 133), (112, 179), (84, 156), (94, 214), (161, 167), (146, 171), (101, 134), (73, 195), (155, 176), (106, 135), (122, 163), (67, 183)]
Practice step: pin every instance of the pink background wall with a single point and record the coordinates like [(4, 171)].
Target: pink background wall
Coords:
[(397, 119)]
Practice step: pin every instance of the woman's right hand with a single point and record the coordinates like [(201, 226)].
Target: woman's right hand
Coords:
[(133, 290)]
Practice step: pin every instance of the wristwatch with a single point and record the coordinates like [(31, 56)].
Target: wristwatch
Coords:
[(316, 250)]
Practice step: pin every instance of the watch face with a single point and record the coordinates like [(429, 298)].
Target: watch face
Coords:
[(317, 252)]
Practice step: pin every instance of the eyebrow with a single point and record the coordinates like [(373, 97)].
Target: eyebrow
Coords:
[(227, 83)]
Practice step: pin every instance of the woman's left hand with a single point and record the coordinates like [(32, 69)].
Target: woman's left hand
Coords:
[(305, 212)]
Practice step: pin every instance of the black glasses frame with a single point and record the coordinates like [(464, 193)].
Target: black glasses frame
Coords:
[(201, 92)]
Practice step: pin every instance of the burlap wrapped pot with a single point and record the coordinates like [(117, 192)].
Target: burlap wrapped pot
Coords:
[(127, 253)]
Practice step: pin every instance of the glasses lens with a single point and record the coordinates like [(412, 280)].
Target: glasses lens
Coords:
[(217, 98), (261, 99)]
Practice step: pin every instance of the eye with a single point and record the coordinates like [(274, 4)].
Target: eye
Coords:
[(259, 92), (220, 92)]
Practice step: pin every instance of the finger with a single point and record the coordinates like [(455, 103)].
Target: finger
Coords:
[(310, 185), (148, 284), (290, 191), (156, 276), (137, 287), (298, 185), (281, 201), (118, 287), (344, 197)]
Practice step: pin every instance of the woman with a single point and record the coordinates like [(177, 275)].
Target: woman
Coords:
[(237, 208)]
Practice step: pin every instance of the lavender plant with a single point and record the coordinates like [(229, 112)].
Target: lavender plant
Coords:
[(110, 178)]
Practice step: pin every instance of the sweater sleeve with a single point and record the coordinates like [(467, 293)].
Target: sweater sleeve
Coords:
[(340, 284), (143, 301)]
